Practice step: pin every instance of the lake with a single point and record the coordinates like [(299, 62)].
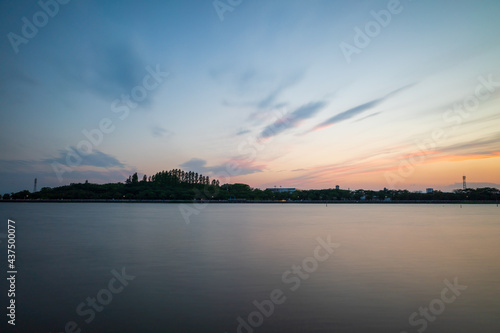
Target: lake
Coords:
[(136, 267)]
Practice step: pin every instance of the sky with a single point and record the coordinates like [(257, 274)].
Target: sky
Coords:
[(305, 94)]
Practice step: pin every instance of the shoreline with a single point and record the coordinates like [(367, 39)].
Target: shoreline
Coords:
[(253, 201)]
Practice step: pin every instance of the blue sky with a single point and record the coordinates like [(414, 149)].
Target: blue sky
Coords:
[(267, 96)]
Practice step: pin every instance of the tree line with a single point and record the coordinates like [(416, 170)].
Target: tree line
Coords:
[(173, 177), (178, 184)]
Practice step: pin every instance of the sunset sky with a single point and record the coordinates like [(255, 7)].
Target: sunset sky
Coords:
[(305, 94)]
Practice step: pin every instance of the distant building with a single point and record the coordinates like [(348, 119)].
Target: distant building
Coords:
[(429, 190), (337, 187), (281, 189)]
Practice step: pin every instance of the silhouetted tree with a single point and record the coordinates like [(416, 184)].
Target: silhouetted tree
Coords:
[(135, 178)]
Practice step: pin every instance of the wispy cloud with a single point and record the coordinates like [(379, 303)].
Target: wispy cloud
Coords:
[(374, 162), (489, 145), (350, 113), (270, 99), (160, 132), (292, 119), (253, 80), (265, 107), (108, 70), (95, 159), (241, 80), (368, 116), (242, 131)]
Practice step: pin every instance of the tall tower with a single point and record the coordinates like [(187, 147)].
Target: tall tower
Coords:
[(34, 187), (465, 184)]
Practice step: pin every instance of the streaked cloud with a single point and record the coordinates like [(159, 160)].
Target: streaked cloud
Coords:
[(350, 113), (292, 119), (95, 159), (368, 116), (271, 99), (489, 145), (242, 131), (160, 132), (106, 69)]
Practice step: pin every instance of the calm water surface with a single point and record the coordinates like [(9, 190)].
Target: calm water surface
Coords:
[(392, 262)]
